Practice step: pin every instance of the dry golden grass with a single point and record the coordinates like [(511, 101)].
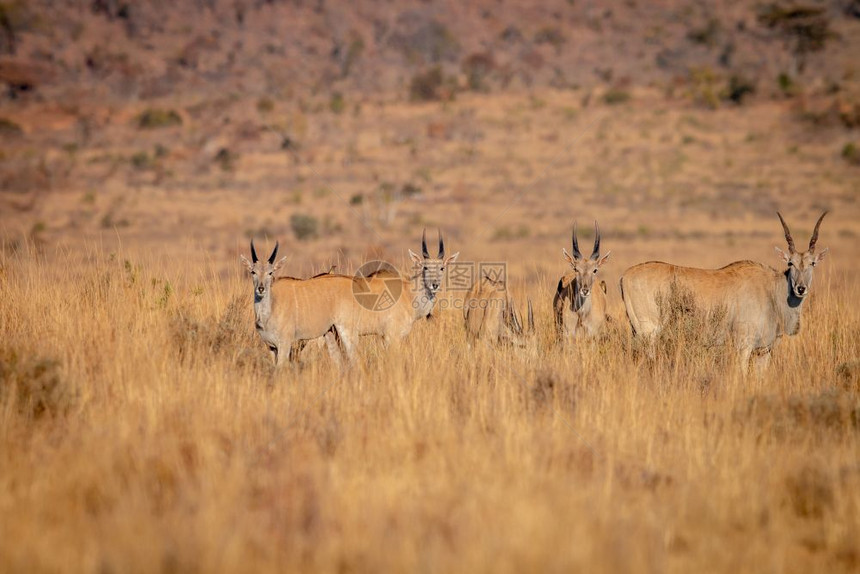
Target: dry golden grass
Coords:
[(142, 428)]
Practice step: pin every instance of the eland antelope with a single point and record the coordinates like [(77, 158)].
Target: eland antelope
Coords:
[(411, 298), (579, 308), (341, 308), (279, 330), (757, 304), (488, 311)]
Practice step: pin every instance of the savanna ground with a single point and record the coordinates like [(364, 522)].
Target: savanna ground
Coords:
[(142, 426)]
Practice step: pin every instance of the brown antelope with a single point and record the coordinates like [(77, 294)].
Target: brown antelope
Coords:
[(579, 308), (489, 312), (289, 310), (415, 298), (757, 304), (277, 334)]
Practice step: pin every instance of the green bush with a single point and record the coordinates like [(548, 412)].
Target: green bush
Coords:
[(616, 96), (806, 27), (787, 85), (34, 385), (158, 118), (476, 68), (706, 35), (851, 153), (427, 86), (226, 159), (304, 226), (265, 105), (550, 35), (10, 128), (141, 160), (337, 104), (739, 88)]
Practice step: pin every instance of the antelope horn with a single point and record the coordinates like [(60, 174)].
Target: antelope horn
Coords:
[(575, 245), (595, 254), (515, 319), (253, 252), (788, 238), (424, 250), (274, 254), (531, 317), (441, 246), (815, 233)]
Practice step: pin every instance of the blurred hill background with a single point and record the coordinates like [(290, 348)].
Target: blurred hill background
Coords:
[(119, 115), (152, 49)]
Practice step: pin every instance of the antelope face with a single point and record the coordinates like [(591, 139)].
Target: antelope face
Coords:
[(262, 272), (585, 269), (586, 272), (432, 269), (800, 268), (801, 264)]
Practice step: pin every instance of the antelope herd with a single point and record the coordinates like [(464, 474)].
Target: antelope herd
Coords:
[(748, 305)]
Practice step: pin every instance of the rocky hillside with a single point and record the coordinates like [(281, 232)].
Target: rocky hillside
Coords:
[(156, 48)]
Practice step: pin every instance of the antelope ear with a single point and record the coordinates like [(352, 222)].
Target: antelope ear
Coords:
[(568, 256), (821, 255), (450, 259), (246, 263), (603, 283), (785, 256), (279, 263), (603, 259), (416, 258)]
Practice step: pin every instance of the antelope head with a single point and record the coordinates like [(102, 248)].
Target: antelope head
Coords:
[(585, 268), (432, 270), (262, 272), (801, 264)]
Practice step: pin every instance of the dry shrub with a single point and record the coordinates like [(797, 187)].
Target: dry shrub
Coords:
[(230, 336), (10, 129), (304, 226), (690, 337), (158, 118), (851, 153), (477, 67), (780, 416), (830, 112), (805, 27), (34, 385), (551, 391), (809, 492), (425, 41), (431, 85), (848, 373)]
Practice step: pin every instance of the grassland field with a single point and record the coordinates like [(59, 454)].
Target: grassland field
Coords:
[(143, 427)]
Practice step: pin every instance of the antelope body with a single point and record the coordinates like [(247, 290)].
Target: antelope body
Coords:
[(578, 308), (489, 312), (757, 303)]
